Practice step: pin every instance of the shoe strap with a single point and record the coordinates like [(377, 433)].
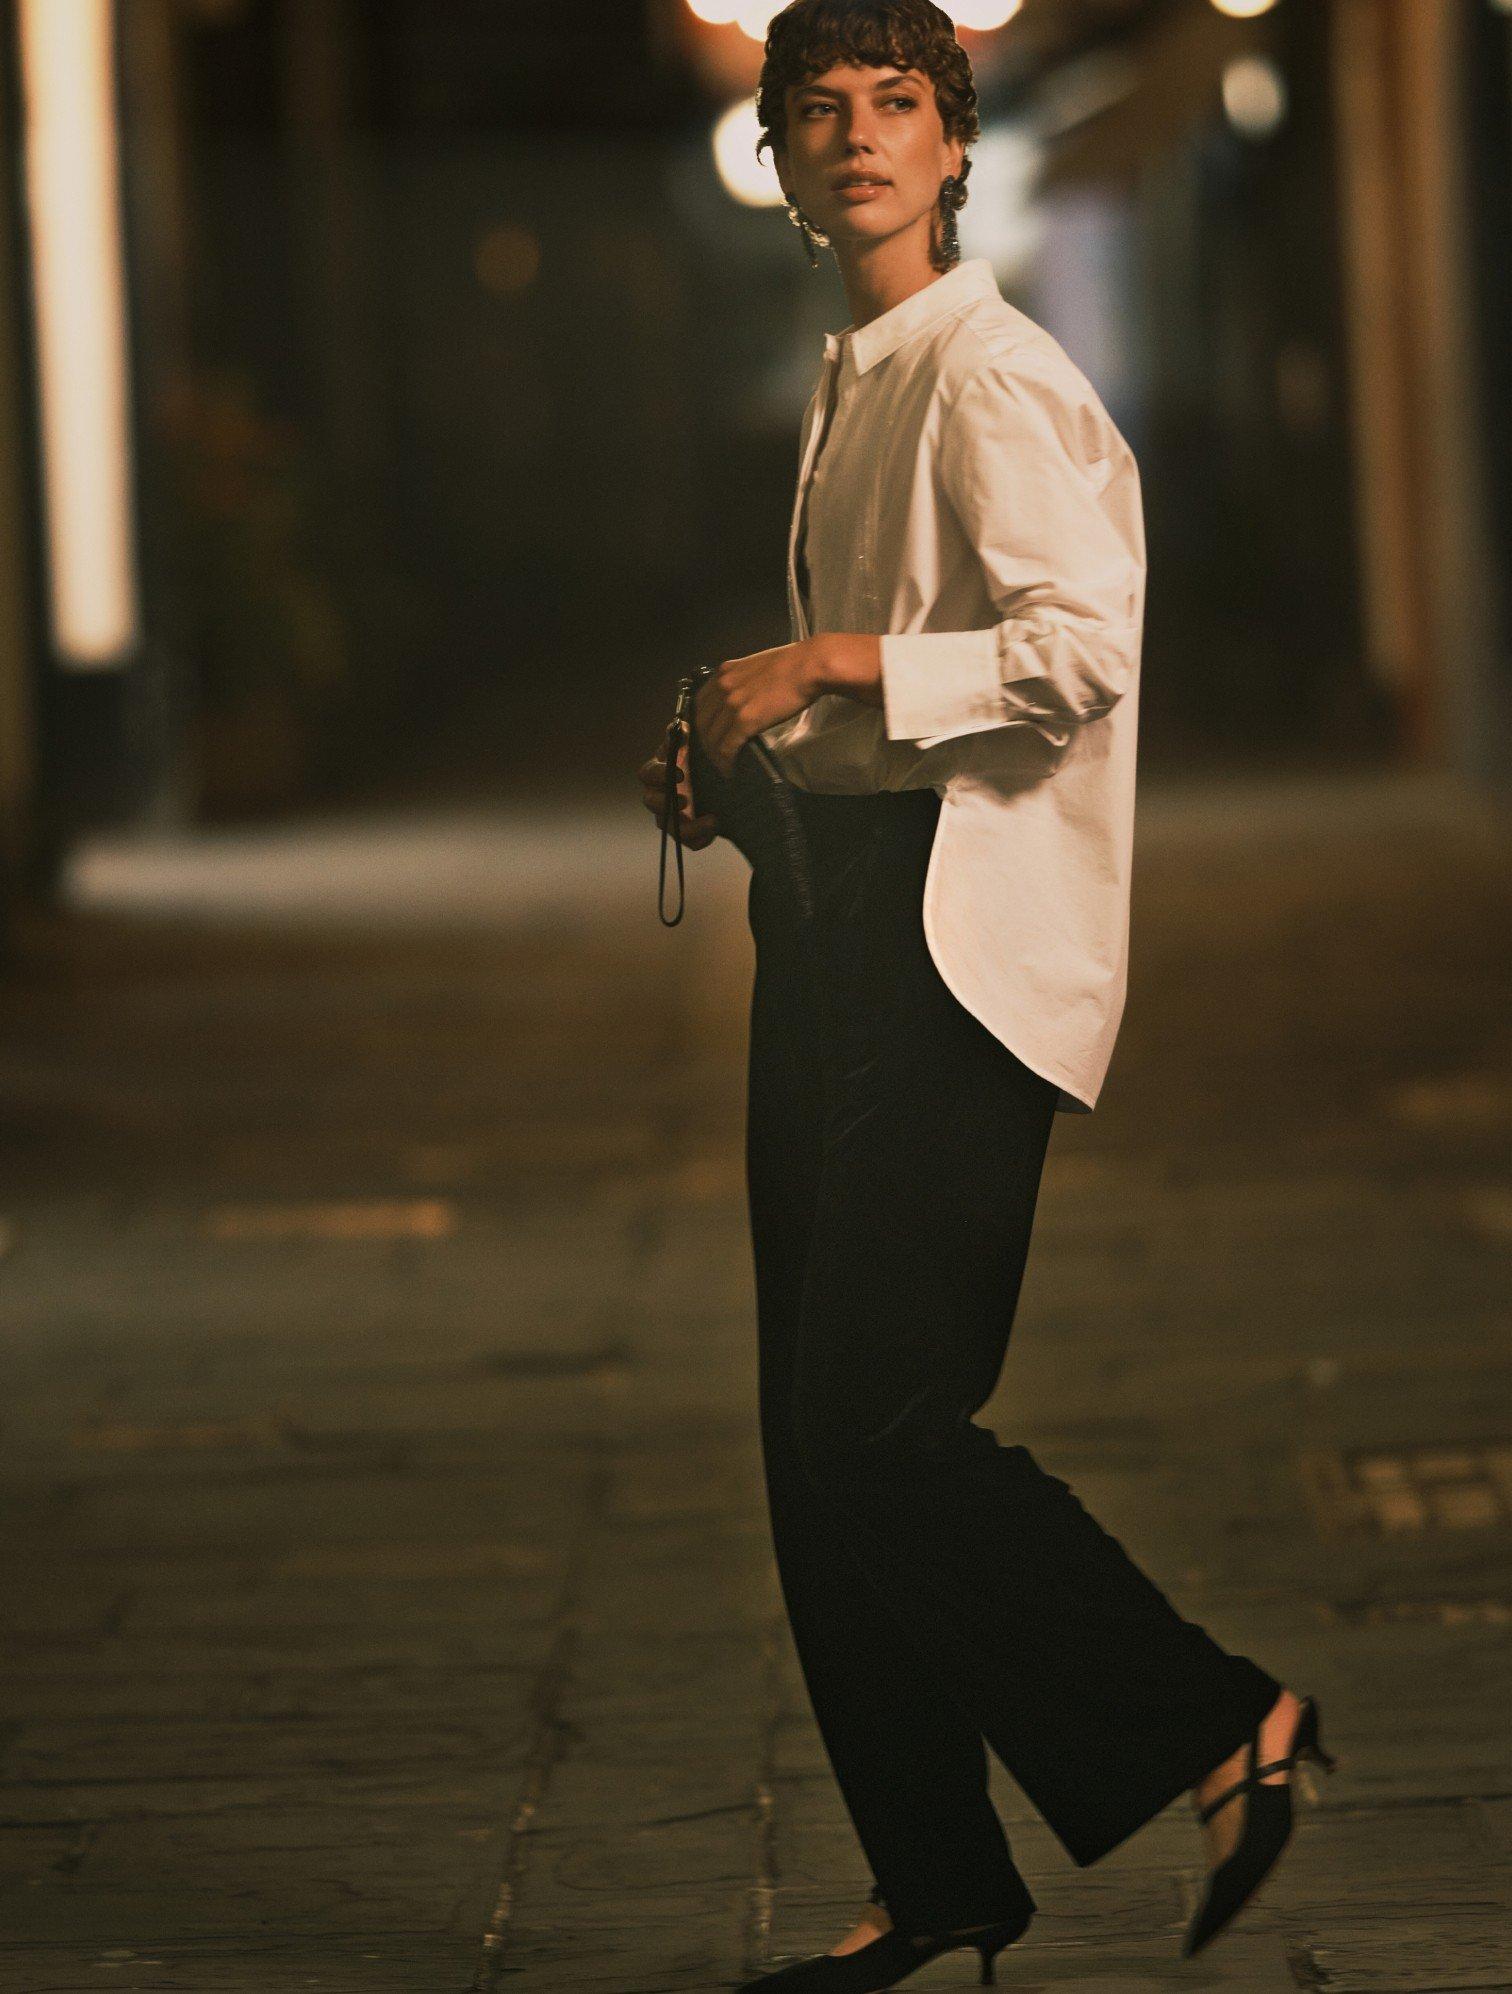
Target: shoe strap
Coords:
[(1251, 1779)]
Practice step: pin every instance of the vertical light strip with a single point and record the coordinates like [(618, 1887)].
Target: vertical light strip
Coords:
[(73, 195)]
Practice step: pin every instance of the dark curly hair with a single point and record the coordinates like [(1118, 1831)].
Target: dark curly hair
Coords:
[(810, 36)]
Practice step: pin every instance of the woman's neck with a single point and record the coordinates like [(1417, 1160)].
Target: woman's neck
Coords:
[(882, 274)]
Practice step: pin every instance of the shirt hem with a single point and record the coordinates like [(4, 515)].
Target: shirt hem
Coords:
[(1071, 1097)]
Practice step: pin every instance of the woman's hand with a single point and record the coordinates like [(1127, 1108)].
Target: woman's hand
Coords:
[(696, 832), (743, 696)]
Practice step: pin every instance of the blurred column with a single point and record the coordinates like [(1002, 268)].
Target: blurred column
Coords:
[(1422, 491), (159, 214), (340, 203), (320, 60), (17, 554)]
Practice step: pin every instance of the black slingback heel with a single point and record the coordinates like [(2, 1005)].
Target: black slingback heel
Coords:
[(1267, 1829), (890, 1958), (886, 1961)]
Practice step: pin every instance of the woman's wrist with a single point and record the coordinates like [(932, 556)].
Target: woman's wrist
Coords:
[(848, 662)]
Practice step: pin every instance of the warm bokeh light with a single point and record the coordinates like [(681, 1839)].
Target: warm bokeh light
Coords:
[(1254, 96), (754, 17), (984, 15), (1243, 10), (751, 181), (73, 191)]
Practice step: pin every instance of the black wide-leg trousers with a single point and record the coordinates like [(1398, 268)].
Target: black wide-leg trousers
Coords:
[(945, 1592)]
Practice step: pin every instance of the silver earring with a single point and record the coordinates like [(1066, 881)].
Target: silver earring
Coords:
[(950, 241), (810, 234)]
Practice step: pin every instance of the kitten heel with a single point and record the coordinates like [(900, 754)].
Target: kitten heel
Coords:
[(1265, 1833)]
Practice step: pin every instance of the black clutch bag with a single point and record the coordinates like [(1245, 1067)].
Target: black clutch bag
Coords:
[(754, 803)]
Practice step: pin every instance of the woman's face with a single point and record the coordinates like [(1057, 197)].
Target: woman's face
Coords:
[(858, 119)]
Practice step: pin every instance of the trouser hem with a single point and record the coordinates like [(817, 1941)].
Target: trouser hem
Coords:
[(1086, 1846), (1017, 1901)]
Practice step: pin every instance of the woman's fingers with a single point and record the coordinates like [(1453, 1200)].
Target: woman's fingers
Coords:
[(704, 825), (653, 779), (656, 767), (653, 774), (696, 831)]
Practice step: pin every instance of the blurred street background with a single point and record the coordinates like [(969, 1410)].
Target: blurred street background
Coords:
[(396, 396)]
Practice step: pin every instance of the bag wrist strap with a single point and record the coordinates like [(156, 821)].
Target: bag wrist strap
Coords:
[(671, 816)]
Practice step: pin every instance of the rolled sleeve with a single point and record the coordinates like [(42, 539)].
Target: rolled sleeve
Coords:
[(1047, 493)]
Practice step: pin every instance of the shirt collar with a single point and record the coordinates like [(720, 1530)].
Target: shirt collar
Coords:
[(974, 278)]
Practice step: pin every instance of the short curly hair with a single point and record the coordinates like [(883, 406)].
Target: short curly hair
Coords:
[(810, 36)]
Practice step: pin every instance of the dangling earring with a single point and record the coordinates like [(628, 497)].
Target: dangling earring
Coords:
[(950, 241), (810, 234)]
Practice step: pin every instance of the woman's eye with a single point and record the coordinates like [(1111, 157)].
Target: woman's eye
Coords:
[(909, 103)]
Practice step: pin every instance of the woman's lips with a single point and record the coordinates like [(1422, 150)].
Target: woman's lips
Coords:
[(862, 190)]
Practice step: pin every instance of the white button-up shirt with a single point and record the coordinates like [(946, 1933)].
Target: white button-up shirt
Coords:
[(963, 494)]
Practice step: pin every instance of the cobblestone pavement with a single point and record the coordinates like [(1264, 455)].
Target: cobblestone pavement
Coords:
[(387, 1601)]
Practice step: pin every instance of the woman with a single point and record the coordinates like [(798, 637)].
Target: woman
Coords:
[(956, 716)]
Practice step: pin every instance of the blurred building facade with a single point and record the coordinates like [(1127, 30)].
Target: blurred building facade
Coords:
[(464, 398)]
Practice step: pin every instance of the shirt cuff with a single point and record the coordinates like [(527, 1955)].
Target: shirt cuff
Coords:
[(937, 684)]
